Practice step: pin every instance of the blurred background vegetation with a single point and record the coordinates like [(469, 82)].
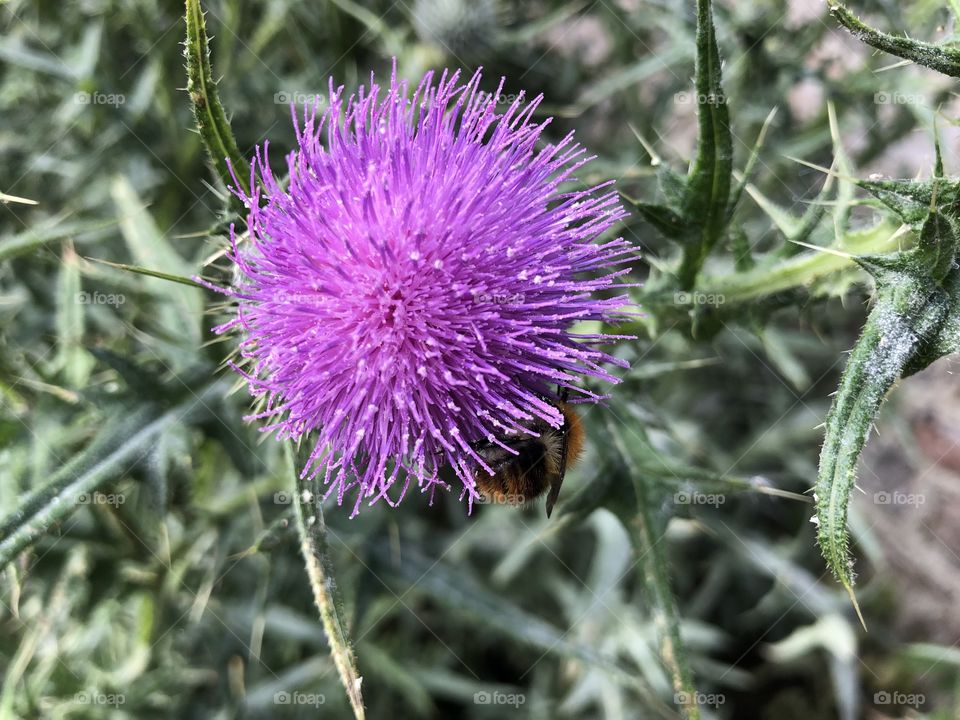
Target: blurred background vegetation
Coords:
[(176, 588)]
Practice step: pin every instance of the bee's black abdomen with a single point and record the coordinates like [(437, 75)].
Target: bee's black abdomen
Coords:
[(531, 481)]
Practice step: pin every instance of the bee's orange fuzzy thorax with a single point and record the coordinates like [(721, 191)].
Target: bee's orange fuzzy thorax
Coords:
[(575, 434)]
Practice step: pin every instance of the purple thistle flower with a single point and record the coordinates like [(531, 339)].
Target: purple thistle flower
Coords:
[(412, 288)]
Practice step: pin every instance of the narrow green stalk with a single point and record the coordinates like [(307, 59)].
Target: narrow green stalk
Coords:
[(137, 270), (211, 119), (313, 544)]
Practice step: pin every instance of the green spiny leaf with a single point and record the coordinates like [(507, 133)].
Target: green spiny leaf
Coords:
[(910, 309), (143, 380), (709, 180), (911, 199), (941, 58)]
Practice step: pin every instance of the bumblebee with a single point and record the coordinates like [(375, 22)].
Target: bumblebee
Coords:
[(540, 463)]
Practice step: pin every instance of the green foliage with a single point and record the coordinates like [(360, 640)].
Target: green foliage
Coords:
[(647, 527)]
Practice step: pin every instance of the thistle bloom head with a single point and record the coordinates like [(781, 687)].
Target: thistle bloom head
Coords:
[(411, 289)]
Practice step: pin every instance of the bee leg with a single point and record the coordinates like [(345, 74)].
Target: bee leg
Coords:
[(564, 394), (558, 479)]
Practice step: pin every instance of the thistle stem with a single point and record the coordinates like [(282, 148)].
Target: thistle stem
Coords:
[(313, 544), (799, 271)]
